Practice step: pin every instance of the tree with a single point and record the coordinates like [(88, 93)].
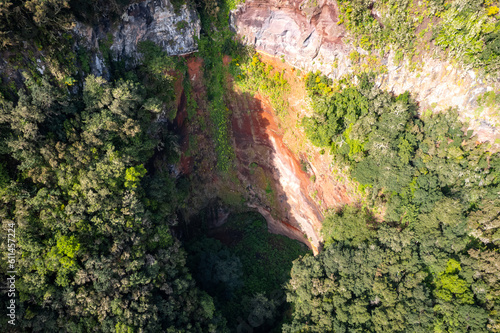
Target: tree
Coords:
[(95, 254), (349, 224)]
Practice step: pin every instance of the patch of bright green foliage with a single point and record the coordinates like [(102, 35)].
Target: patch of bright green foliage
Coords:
[(133, 175), (489, 99), (254, 76)]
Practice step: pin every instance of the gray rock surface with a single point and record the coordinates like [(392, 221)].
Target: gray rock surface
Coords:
[(89, 38), (157, 21), (153, 20)]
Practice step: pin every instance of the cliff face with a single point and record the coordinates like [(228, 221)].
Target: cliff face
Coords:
[(267, 177), (286, 179), (151, 20), (276, 184), (270, 175), (306, 34), (157, 21)]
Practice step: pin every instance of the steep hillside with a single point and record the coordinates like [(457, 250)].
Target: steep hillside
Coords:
[(309, 35), (250, 166)]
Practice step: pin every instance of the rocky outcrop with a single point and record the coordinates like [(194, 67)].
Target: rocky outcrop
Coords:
[(439, 85), (157, 21), (307, 35)]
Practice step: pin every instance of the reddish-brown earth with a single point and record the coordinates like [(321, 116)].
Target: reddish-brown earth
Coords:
[(269, 152), (270, 172), (331, 188)]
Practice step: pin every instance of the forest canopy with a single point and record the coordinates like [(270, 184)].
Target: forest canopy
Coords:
[(91, 181), (432, 264), (93, 228)]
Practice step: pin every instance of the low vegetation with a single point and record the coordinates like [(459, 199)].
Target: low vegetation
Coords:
[(255, 76)]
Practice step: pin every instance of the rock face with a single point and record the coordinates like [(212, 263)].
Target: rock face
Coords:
[(289, 186), (303, 32), (89, 37), (154, 20), (277, 187), (306, 34), (157, 21), (439, 86)]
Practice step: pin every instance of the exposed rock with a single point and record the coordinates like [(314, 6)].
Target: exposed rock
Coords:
[(157, 21), (276, 184), (89, 37), (438, 85), (269, 177), (306, 35), (153, 20)]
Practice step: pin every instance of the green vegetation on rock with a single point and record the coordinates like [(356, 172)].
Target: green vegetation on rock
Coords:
[(467, 31)]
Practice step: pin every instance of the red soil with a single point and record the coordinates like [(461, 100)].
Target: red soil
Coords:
[(267, 149)]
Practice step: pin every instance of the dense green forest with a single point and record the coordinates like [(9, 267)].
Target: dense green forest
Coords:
[(87, 183), (245, 268), (432, 264), (92, 228)]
